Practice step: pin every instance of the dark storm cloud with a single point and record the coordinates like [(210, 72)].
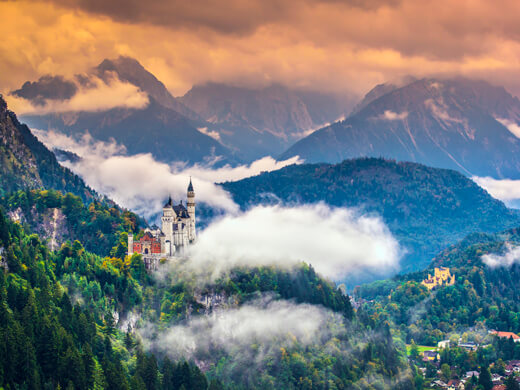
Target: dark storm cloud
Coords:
[(228, 17), (47, 88)]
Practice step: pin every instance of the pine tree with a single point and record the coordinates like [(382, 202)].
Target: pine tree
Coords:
[(511, 383), (484, 378)]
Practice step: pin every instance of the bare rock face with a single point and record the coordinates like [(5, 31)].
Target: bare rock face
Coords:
[(258, 122), (459, 124), (130, 70), (50, 225)]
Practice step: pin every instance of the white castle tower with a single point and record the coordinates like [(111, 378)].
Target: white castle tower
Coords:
[(192, 234), (167, 220)]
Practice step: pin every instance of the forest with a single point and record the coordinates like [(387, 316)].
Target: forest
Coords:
[(62, 315)]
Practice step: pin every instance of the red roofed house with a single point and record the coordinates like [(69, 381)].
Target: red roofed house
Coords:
[(506, 335)]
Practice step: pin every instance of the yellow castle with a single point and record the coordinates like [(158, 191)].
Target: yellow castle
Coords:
[(441, 277)]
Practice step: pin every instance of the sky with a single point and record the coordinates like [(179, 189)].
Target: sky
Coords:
[(333, 46)]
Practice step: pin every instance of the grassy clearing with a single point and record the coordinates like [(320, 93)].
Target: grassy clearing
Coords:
[(420, 348)]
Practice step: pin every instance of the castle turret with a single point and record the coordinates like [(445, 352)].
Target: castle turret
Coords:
[(167, 219), (191, 211), (130, 244)]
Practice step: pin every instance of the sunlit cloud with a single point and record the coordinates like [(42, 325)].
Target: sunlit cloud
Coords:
[(96, 96), (353, 45)]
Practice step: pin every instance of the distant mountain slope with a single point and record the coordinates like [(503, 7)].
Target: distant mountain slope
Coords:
[(130, 70), (166, 128), (426, 208), (156, 129), (458, 124), (257, 122), (27, 164)]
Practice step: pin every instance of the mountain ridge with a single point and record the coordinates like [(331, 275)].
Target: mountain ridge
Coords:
[(454, 123)]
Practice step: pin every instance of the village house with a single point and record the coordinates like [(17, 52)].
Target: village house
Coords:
[(506, 335)]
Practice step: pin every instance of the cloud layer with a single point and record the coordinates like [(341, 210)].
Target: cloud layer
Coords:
[(318, 44), (507, 259), (337, 242), (511, 126), (95, 95), (506, 190), (141, 183), (269, 324)]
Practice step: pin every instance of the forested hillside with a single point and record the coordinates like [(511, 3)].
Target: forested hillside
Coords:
[(26, 163), (483, 296), (426, 208), (102, 226), (71, 319)]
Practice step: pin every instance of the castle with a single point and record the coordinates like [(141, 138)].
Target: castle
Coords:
[(441, 277), (176, 233)]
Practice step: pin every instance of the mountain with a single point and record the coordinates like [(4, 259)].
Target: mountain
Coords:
[(459, 124), (166, 128), (425, 208), (259, 122), (130, 70), (27, 164), (156, 129)]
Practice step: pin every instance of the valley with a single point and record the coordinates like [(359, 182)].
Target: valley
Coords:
[(259, 195)]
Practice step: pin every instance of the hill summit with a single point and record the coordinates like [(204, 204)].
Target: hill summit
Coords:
[(425, 208)]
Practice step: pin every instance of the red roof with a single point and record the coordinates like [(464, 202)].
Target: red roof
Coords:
[(507, 335)]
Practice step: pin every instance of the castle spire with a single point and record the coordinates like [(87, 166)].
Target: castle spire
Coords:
[(169, 201), (190, 186)]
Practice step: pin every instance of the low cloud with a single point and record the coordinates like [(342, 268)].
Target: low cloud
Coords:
[(306, 133), (268, 325), (440, 111), (47, 87), (141, 183), (93, 94), (389, 115), (507, 259), (211, 133), (337, 242), (510, 125), (506, 190), (84, 146)]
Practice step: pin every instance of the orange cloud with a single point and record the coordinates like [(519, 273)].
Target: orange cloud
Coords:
[(324, 45), (99, 96)]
